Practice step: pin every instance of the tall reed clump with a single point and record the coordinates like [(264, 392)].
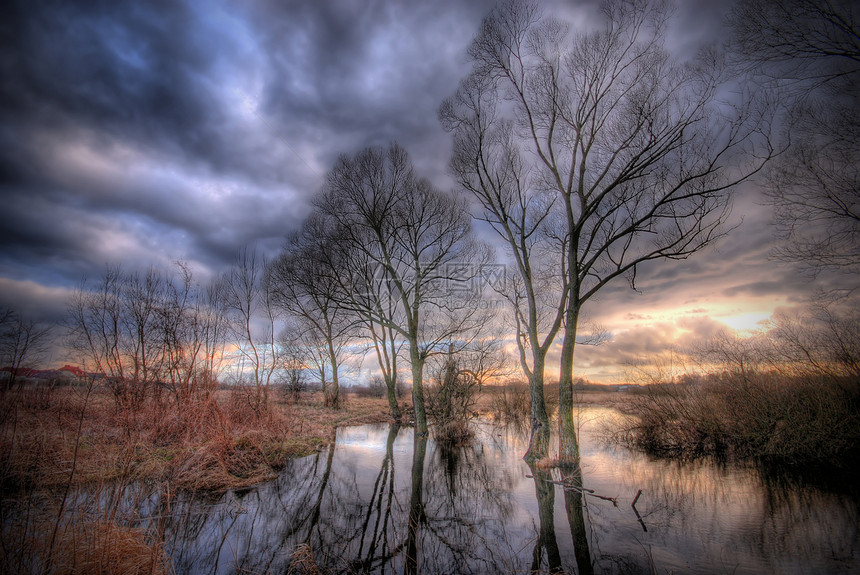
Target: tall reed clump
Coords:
[(798, 420), (511, 402)]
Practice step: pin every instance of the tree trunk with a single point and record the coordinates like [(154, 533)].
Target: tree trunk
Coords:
[(539, 439), (568, 444), (335, 388), (391, 391), (418, 388)]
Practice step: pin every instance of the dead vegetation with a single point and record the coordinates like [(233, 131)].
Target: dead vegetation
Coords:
[(212, 442), (797, 421), (58, 444)]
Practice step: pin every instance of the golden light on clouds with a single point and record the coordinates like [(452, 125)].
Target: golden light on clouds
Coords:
[(746, 322)]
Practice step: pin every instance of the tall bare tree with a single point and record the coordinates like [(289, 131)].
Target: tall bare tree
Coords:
[(250, 302), (305, 285), (598, 148), (373, 292), (810, 51), (408, 239)]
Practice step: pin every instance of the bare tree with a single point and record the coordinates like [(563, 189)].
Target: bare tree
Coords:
[(458, 376), (112, 328), (249, 300), (23, 342), (304, 285), (810, 51), (404, 237), (386, 342), (325, 281), (298, 352), (799, 40), (146, 331), (322, 359), (192, 330), (621, 153)]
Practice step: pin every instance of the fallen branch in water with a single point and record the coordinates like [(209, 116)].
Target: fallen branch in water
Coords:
[(584, 490), (636, 511)]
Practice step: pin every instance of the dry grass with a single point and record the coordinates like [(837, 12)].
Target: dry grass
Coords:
[(302, 561), (105, 548), (511, 403), (213, 443), (79, 544), (799, 421)]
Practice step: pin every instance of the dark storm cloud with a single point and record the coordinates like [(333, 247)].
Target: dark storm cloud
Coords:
[(365, 73), (136, 72), (189, 129)]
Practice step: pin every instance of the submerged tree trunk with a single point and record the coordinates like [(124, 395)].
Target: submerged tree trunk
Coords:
[(539, 439), (547, 541), (573, 505), (416, 506)]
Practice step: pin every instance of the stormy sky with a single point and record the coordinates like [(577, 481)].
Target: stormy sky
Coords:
[(144, 133)]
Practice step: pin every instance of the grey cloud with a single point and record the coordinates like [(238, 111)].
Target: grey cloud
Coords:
[(758, 288), (260, 98)]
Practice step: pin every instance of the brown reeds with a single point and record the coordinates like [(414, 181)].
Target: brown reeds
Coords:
[(793, 420), (106, 548), (217, 441), (302, 561)]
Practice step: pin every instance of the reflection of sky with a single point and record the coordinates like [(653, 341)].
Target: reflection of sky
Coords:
[(700, 517)]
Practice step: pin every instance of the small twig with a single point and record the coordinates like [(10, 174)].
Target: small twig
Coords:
[(569, 486), (635, 499), (584, 490)]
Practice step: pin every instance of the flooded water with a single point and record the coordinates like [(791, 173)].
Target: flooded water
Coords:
[(382, 501)]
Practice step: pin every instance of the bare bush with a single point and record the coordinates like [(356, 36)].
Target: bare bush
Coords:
[(510, 403)]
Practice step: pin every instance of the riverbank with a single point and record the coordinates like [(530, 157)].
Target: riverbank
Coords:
[(52, 438)]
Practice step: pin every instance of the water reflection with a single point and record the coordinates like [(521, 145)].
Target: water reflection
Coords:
[(384, 501), (546, 541)]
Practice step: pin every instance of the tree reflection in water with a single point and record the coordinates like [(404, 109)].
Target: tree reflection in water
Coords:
[(546, 540), (448, 515), (416, 508), (383, 501), (573, 507)]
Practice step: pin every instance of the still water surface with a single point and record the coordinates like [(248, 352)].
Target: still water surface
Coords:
[(381, 501)]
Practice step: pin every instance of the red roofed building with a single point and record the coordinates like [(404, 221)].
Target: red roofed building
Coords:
[(75, 370)]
